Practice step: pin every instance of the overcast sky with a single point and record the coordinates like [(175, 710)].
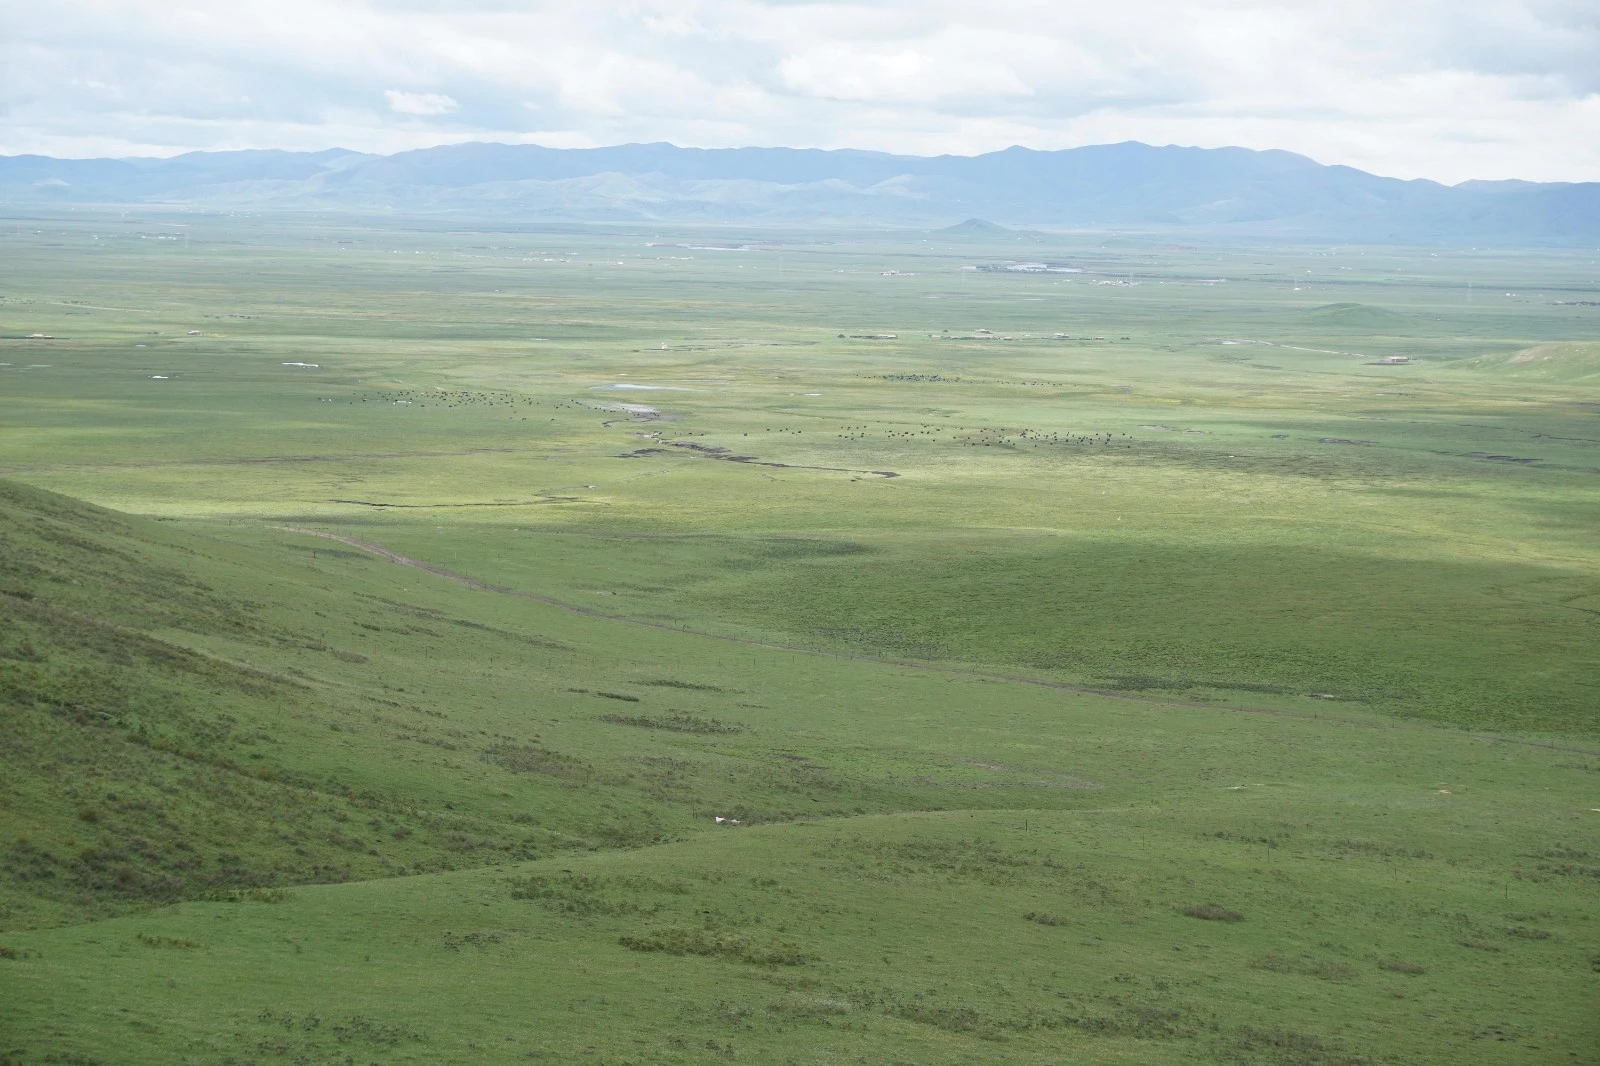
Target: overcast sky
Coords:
[(1449, 90)]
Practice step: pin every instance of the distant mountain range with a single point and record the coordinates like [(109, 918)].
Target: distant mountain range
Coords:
[(1127, 186)]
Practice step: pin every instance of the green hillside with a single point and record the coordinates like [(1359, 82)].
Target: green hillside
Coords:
[(163, 720), (1564, 361), (924, 863)]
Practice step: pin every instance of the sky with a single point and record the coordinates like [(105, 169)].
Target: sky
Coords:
[(1442, 89)]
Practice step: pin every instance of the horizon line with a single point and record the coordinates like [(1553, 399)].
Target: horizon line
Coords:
[(775, 147)]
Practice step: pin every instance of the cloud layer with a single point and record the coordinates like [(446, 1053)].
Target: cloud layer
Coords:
[(1412, 88)]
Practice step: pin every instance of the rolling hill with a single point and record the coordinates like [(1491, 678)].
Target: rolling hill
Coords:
[(1558, 362)]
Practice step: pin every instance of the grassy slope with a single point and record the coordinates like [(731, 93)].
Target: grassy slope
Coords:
[(1576, 361), (914, 947), (208, 703), (157, 748), (1381, 871)]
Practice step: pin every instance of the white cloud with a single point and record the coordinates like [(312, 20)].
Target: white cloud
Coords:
[(404, 103), (1448, 89)]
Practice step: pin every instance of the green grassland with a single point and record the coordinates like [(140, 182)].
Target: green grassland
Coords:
[(1116, 665)]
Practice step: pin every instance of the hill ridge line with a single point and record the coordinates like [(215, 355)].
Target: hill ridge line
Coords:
[(1010, 192)]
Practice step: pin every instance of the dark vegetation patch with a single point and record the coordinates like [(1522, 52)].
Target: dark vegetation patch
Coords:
[(677, 723), (808, 1009), (887, 642), (247, 895), (1526, 932), (307, 1037), (1106, 1018), (1041, 918), (1322, 969), (617, 696), (1562, 861), (1374, 850), (181, 942), (1284, 1047), (679, 941), (973, 860), (692, 686), (588, 897), (579, 896), (536, 759), (1396, 965), (1211, 912)]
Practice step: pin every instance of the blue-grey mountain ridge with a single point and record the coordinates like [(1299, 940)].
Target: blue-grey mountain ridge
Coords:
[(1128, 186)]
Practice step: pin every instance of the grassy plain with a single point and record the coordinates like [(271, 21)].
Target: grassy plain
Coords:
[(1260, 674)]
